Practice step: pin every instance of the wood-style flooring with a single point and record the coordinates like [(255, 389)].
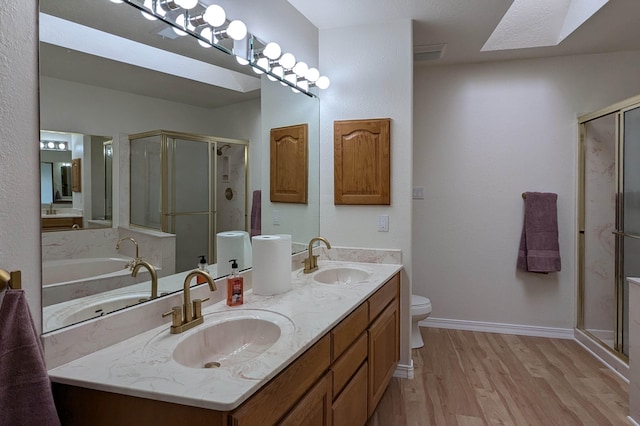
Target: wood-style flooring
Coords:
[(470, 379)]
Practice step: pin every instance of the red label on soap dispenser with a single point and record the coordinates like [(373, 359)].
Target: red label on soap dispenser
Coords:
[(234, 291)]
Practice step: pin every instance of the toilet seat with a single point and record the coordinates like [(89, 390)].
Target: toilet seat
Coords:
[(420, 303)]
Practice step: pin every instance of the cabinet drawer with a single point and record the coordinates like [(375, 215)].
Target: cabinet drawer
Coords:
[(348, 364), (382, 297), (345, 333), (350, 409), (273, 401)]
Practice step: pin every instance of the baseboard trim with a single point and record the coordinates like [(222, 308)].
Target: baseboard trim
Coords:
[(404, 371), (494, 327), (633, 422), (603, 355)]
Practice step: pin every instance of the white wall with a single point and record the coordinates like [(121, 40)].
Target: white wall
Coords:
[(19, 150), (483, 135), (371, 77)]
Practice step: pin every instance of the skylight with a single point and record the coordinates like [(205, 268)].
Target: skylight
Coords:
[(540, 23)]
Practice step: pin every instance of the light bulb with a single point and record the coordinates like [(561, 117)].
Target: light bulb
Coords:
[(186, 4), (287, 61), (257, 70), (295, 90), (323, 82), (41, 145), (277, 71), (272, 51), (61, 146), (300, 69), (208, 34), (272, 78), (180, 20), (214, 15), (291, 78), (303, 84), (263, 63), (51, 145), (237, 30), (312, 74), (241, 60), (149, 5), (116, 1)]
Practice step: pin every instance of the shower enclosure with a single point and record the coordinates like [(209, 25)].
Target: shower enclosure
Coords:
[(189, 185), (609, 222)]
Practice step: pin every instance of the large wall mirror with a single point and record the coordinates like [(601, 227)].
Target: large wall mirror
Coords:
[(90, 86)]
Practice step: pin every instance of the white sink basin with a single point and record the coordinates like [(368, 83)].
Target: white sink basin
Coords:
[(97, 309), (342, 275), (231, 338)]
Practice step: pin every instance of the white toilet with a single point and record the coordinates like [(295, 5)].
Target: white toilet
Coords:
[(420, 309)]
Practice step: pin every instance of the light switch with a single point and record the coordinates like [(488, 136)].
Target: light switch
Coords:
[(418, 192), (383, 223)]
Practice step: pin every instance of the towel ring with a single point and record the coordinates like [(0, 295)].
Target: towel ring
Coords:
[(524, 195)]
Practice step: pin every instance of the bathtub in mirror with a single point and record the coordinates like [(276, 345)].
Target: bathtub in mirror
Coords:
[(88, 94)]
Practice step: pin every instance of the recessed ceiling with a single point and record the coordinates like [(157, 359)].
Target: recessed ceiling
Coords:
[(58, 60), (465, 25)]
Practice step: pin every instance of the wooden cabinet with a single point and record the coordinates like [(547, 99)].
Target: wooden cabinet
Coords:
[(314, 409), (338, 381), (350, 407), (277, 397), (60, 223), (384, 340)]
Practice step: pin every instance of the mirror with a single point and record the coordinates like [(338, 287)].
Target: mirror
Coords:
[(90, 205), (86, 94)]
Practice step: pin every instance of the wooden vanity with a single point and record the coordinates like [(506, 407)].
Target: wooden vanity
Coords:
[(337, 381), (61, 223)]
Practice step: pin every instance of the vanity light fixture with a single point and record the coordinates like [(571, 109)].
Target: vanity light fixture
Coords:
[(210, 26), (47, 145)]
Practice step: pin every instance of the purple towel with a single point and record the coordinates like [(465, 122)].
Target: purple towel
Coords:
[(256, 213), (25, 388), (539, 249)]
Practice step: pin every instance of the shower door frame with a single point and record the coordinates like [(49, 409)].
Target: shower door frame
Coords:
[(167, 211), (619, 280)]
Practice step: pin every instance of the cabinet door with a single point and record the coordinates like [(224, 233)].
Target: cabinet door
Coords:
[(350, 408), (383, 352), (314, 409)]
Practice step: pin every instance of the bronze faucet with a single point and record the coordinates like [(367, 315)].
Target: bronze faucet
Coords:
[(51, 210), (183, 318), (154, 275), (135, 243), (311, 262)]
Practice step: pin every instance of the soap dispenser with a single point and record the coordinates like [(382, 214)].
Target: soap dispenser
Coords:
[(202, 265), (235, 286)]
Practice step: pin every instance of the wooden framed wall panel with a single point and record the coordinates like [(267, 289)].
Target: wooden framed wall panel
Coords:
[(362, 161), (76, 175), (289, 164)]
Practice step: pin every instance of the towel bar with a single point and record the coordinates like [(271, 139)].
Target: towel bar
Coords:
[(524, 195), (11, 279)]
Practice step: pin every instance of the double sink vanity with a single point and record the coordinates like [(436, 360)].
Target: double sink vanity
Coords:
[(322, 353)]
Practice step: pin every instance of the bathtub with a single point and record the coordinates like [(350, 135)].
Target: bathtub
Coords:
[(68, 279)]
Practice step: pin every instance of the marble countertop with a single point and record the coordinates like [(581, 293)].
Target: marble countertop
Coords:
[(143, 365), (55, 316)]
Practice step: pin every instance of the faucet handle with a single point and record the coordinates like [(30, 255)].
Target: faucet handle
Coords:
[(197, 307), (176, 316)]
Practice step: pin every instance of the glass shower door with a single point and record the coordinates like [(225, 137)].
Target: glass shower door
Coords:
[(189, 209), (145, 182), (629, 222)]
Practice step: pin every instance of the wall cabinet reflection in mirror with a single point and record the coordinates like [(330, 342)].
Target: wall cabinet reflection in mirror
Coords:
[(151, 81)]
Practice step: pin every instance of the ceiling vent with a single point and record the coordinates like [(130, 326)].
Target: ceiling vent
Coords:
[(429, 52)]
